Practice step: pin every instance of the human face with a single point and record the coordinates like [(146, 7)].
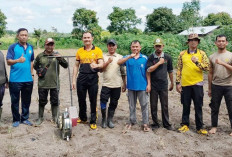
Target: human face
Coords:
[(193, 43), (158, 48), (49, 47), (22, 37), (87, 39), (221, 43), (111, 48), (135, 47)]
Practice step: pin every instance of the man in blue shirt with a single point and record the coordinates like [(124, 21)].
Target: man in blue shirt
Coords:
[(20, 58), (138, 84)]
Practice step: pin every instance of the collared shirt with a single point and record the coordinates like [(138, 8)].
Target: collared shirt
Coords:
[(112, 76), (159, 77), (189, 73), (20, 72), (3, 74), (136, 73)]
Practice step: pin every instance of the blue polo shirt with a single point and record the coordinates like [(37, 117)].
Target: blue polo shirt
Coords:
[(20, 72), (136, 73)]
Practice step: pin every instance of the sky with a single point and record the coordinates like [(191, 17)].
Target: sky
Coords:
[(45, 14)]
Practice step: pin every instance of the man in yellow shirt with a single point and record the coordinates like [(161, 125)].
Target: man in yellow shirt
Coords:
[(89, 59), (189, 80)]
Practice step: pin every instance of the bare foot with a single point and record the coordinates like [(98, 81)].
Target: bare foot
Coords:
[(146, 128), (230, 134), (127, 128), (213, 130)]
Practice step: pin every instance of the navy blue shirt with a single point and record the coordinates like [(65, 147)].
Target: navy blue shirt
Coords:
[(136, 73), (159, 78), (20, 72)]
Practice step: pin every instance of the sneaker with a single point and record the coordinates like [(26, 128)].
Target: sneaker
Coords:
[(79, 121), (15, 124), (93, 126), (184, 128), (202, 132), (27, 122)]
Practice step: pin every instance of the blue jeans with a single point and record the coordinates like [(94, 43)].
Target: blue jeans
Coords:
[(25, 88)]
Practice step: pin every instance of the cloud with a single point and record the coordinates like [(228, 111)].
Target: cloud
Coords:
[(56, 11), (21, 11)]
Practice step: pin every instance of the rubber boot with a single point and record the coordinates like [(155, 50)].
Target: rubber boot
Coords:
[(55, 113), (0, 115), (103, 111), (110, 123), (41, 113)]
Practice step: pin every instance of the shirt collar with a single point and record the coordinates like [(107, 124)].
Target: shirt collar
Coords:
[(108, 54), (93, 47), (155, 56)]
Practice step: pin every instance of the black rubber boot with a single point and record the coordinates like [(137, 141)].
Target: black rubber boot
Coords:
[(41, 113), (103, 111), (0, 115), (55, 113), (110, 123)]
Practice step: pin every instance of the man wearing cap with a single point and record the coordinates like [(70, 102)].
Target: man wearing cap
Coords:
[(113, 75), (3, 81), (20, 58), (89, 59), (138, 84), (220, 81), (159, 64), (47, 72), (189, 80)]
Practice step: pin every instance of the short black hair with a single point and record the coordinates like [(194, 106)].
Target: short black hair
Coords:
[(135, 41), (221, 35), (87, 32), (21, 29)]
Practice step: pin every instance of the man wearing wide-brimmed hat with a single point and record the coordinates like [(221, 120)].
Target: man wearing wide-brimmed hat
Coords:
[(189, 80)]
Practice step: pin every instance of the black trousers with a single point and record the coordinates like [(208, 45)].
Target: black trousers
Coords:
[(43, 96), (113, 94), (196, 94), (81, 94), (163, 95), (217, 93)]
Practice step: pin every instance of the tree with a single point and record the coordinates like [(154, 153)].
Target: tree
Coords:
[(123, 20), (221, 18), (161, 20), (37, 34), (190, 15), (85, 20), (2, 24)]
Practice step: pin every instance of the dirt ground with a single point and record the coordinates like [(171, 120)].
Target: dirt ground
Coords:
[(45, 140)]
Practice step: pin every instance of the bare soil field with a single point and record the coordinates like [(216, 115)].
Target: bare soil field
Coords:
[(29, 141)]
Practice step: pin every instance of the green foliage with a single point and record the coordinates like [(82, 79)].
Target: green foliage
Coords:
[(221, 18), (2, 23), (161, 20), (123, 21), (190, 15), (85, 20)]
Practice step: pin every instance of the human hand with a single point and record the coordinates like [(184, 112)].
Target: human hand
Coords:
[(110, 59), (161, 61), (132, 55), (209, 93), (178, 88), (124, 87), (218, 61), (171, 87), (93, 65), (194, 59), (7, 85), (21, 59), (148, 89), (73, 85)]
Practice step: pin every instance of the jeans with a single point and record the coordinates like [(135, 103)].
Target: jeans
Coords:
[(25, 89)]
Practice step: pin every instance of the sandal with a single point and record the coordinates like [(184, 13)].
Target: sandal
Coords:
[(146, 128), (127, 128)]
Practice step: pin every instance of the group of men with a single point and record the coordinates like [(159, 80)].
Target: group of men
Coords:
[(143, 75)]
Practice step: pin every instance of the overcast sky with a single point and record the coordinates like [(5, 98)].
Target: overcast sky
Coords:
[(46, 14)]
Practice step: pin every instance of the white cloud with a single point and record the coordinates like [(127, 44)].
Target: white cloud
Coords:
[(19, 11), (56, 11)]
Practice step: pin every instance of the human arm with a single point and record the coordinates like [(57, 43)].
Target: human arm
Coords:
[(204, 64), (61, 60), (178, 74), (32, 71), (98, 65), (123, 74), (123, 60), (155, 66), (210, 78), (14, 61), (226, 65), (105, 64), (75, 71), (171, 80), (148, 88)]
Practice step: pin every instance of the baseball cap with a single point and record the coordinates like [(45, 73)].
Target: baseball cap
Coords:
[(49, 40), (112, 41), (158, 41)]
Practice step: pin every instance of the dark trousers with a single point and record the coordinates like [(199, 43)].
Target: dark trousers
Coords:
[(2, 91), (217, 93), (196, 94), (25, 89), (81, 94), (163, 95), (43, 96), (113, 94)]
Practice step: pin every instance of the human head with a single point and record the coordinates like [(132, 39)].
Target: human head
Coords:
[(221, 42), (158, 45), (49, 45), (193, 40), (22, 35), (111, 46), (87, 38), (135, 46)]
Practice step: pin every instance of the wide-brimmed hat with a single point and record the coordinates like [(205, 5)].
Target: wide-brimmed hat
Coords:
[(193, 36)]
